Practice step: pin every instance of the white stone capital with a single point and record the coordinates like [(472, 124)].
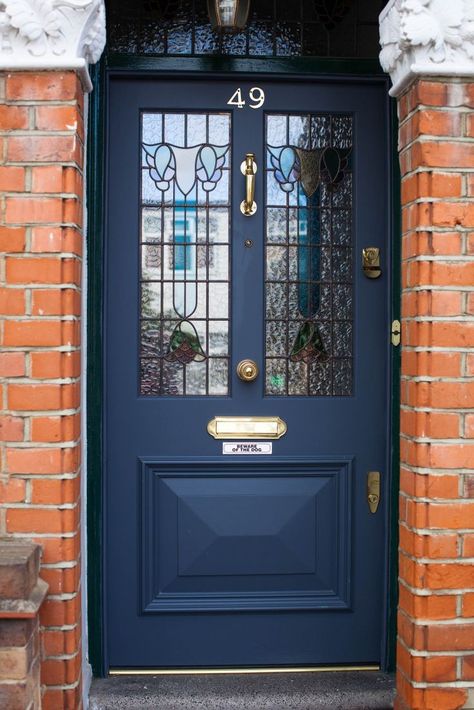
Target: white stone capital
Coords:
[(52, 34), (426, 38)]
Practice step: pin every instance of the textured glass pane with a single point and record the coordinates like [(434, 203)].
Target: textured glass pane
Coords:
[(218, 338), (277, 232), (320, 379), (275, 377), (185, 254), (342, 264), (276, 300), (277, 127), (218, 376), (298, 379), (342, 339), (152, 225), (276, 339), (342, 377), (341, 226), (277, 258), (309, 256), (298, 131), (323, 28), (151, 300), (342, 302), (196, 378)]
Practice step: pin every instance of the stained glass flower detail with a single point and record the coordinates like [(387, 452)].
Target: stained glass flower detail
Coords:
[(162, 164), (185, 345), (334, 163), (308, 346), (308, 167), (168, 162), (211, 159), (285, 165)]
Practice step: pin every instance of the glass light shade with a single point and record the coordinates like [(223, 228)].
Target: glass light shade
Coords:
[(228, 15)]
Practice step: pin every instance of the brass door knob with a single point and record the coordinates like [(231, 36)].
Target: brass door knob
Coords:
[(247, 370)]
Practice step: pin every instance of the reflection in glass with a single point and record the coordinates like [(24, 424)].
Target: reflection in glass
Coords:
[(185, 254)]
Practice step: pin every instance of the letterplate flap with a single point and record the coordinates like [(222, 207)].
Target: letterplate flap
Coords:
[(246, 427)]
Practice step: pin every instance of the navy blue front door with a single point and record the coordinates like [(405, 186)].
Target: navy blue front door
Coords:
[(238, 559)]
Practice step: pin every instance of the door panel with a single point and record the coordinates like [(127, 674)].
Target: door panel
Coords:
[(223, 537), (245, 560)]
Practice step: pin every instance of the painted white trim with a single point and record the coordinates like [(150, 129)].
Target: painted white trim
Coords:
[(37, 35), (432, 38)]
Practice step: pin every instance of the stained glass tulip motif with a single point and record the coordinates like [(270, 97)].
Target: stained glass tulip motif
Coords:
[(185, 166), (211, 159), (284, 163), (308, 346), (293, 165), (161, 162), (185, 345)]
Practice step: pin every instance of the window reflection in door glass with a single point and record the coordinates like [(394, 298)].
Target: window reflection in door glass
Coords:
[(184, 244)]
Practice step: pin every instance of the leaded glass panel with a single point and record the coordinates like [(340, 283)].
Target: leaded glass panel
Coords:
[(276, 28), (309, 255), (185, 211)]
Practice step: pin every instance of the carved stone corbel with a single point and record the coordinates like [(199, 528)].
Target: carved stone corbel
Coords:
[(426, 38), (51, 34)]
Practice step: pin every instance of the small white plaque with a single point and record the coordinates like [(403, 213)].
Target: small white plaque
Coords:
[(243, 448)]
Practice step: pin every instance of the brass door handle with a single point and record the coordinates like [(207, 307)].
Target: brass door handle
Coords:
[(248, 168), (247, 370)]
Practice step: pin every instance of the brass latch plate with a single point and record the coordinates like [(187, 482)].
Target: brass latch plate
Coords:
[(396, 332), (246, 427)]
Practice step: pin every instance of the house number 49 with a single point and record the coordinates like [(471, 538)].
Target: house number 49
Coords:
[(256, 97)]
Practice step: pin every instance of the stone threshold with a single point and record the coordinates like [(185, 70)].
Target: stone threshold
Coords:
[(339, 690)]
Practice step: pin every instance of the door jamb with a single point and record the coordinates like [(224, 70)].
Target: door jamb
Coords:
[(322, 69)]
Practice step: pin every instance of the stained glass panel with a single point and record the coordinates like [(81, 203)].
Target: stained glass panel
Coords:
[(308, 254), (185, 206)]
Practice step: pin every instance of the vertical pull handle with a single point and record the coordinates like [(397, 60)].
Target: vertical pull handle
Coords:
[(248, 168)]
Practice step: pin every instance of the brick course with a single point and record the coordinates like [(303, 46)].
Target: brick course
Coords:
[(41, 179), (436, 609)]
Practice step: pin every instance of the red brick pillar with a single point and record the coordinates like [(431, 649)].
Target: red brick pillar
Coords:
[(41, 178), (436, 608)]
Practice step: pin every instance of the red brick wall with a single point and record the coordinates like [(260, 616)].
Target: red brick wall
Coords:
[(436, 611), (41, 182), (41, 160)]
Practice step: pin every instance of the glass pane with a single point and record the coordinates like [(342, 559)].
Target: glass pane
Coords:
[(323, 28), (309, 255), (185, 254)]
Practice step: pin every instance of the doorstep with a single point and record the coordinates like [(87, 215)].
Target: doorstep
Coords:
[(264, 691)]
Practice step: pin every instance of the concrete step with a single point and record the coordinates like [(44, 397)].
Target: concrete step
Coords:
[(359, 690)]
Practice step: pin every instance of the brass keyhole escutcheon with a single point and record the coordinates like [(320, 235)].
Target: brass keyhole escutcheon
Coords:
[(371, 262), (247, 370), (373, 490)]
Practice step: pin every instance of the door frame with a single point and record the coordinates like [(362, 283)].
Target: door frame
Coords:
[(330, 70)]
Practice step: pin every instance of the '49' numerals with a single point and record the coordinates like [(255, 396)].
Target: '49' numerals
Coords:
[(256, 98)]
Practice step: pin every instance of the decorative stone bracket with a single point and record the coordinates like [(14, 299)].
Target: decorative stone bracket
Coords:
[(426, 38), (51, 34)]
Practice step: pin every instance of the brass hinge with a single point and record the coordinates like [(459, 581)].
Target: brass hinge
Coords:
[(396, 333)]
